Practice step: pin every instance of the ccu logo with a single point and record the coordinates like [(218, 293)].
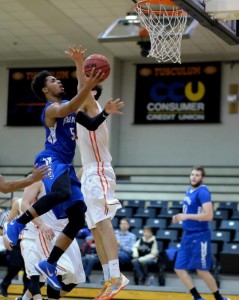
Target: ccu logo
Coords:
[(177, 91)]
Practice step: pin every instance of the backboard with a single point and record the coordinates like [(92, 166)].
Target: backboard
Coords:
[(126, 29), (227, 30)]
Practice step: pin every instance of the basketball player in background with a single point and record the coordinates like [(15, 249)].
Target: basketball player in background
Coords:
[(98, 187), (63, 193), (194, 252), (14, 260), (37, 242), (12, 186)]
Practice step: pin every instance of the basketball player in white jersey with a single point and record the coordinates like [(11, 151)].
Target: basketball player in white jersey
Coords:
[(98, 188), (38, 240)]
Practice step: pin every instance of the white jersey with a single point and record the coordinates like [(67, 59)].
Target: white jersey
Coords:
[(48, 218), (93, 145), (29, 231)]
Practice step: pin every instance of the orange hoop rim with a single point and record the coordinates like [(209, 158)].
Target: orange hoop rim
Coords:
[(180, 12)]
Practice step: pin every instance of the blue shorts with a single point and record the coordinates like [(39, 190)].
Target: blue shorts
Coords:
[(194, 252), (58, 167)]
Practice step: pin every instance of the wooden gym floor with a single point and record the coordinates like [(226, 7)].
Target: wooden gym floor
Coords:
[(90, 293)]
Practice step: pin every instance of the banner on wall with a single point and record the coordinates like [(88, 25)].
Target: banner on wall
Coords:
[(188, 93), (24, 109)]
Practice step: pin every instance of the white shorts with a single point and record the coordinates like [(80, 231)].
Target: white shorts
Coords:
[(98, 185), (70, 263), (31, 256)]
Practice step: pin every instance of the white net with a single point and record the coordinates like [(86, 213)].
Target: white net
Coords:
[(165, 30)]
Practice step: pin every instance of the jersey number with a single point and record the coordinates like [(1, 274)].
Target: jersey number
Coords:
[(73, 135)]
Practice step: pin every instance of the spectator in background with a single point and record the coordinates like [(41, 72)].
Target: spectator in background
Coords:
[(126, 240), (89, 256), (145, 253)]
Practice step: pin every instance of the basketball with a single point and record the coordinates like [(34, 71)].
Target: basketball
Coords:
[(99, 62)]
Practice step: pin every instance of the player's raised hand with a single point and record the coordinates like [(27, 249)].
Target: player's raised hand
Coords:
[(113, 107), (76, 53)]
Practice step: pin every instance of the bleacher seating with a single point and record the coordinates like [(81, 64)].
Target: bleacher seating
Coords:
[(136, 223), (158, 205), (125, 212), (229, 259), (145, 212), (156, 223)]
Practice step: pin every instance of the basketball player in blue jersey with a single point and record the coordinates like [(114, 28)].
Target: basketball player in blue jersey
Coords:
[(63, 193), (194, 252)]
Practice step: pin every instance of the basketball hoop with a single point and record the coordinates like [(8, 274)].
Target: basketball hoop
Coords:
[(165, 23)]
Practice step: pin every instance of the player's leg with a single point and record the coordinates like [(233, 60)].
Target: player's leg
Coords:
[(35, 287), (101, 254), (31, 256), (182, 264), (52, 294), (117, 280), (60, 192), (103, 187), (76, 217), (13, 267)]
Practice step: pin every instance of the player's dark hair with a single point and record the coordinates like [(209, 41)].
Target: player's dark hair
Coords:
[(39, 83), (98, 88), (200, 169)]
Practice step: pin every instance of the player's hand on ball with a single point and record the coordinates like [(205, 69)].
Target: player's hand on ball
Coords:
[(113, 107)]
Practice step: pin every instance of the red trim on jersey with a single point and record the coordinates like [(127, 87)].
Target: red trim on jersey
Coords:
[(93, 140)]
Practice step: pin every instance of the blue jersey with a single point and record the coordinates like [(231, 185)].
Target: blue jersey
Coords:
[(192, 204), (60, 139), (58, 154)]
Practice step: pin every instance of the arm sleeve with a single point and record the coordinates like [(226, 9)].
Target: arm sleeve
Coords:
[(91, 123)]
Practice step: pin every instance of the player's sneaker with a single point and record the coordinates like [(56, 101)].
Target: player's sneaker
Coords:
[(12, 230), (106, 283), (49, 273), (198, 299), (114, 286), (226, 298)]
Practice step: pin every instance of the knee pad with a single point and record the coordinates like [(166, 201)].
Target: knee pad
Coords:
[(51, 293), (68, 287), (34, 286), (76, 217)]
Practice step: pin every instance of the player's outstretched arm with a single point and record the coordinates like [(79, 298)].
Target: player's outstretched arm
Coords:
[(111, 107), (76, 54), (11, 186)]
